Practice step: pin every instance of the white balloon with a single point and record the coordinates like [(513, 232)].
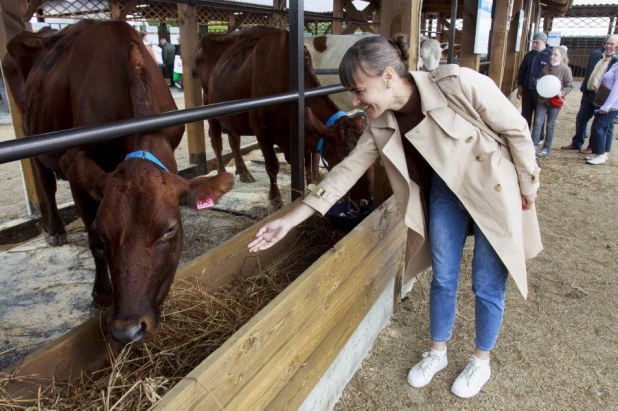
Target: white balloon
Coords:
[(548, 86)]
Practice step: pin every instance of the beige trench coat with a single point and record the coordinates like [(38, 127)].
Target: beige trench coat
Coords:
[(486, 177)]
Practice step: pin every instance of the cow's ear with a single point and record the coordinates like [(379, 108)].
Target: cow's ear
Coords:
[(203, 192), (84, 173), (313, 126)]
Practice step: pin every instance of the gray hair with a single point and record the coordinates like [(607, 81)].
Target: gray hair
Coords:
[(372, 55), (613, 37)]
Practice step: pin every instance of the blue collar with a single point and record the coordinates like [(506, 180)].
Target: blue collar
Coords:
[(146, 156), (334, 118)]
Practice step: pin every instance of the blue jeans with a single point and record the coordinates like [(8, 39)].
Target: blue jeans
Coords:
[(543, 109), (602, 132), (448, 229), (585, 113)]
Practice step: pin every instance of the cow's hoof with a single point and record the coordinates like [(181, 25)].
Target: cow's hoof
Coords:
[(247, 178), (56, 240)]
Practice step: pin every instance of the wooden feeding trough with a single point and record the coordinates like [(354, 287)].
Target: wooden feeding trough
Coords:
[(298, 352)]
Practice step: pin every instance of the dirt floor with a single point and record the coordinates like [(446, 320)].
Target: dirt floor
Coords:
[(558, 350)]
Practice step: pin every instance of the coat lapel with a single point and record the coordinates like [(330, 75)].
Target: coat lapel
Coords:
[(386, 130)]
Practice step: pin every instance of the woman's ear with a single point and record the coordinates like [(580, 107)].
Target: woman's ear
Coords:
[(388, 76)]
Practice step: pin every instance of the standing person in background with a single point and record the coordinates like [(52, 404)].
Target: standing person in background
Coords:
[(559, 67), (598, 64), (448, 178), (5, 100), (602, 132), (529, 72), (158, 55), (168, 53), (144, 37)]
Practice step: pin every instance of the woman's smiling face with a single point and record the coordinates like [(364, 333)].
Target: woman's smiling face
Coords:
[(371, 94)]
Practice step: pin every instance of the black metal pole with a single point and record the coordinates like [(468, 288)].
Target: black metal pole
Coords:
[(297, 108), (451, 33)]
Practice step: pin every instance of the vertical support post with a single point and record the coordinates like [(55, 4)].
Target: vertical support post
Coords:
[(510, 64), (114, 7), (11, 23), (337, 12), (187, 20), (452, 32), (467, 57), (297, 109), (547, 22), (500, 25)]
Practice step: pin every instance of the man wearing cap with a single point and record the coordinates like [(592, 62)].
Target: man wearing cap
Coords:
[(529, 72), (599, 62)]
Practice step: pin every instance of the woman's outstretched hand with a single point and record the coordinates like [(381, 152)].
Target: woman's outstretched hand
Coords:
[(274, 231), (269, 235)]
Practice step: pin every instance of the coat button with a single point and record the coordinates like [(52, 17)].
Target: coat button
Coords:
[(469, 139), (498, 187), (480, 159), (433, 75)]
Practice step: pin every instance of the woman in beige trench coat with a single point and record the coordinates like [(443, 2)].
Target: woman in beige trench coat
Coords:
[(448, 177)]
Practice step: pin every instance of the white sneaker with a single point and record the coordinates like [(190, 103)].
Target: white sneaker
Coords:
[(422, 373), (471, 379), (597, 161), (590, 157)]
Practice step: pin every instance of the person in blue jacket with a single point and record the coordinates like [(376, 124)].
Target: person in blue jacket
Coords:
[(599, 63), (529, 73)]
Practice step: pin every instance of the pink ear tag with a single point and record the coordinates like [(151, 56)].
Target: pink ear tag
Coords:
[(205, 203)]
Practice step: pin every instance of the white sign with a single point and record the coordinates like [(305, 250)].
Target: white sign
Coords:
[(520, 28), (483, 27), (174, 35), (553, 38)]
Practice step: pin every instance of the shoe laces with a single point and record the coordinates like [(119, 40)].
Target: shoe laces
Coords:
[(429, 361), (471, 371)]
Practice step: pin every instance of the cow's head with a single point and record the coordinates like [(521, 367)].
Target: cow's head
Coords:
[(139, 223), (339, 140)]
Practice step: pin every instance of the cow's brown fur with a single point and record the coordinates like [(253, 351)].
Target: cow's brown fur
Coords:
[(91, 73), (255, 63)]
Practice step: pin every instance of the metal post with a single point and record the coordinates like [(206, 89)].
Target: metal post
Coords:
[(297, 108), (451, 34)]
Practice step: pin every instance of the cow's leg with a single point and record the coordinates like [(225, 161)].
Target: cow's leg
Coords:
[(214, 131), (272, 169), (52, 222), (311, 167), (241, 167)]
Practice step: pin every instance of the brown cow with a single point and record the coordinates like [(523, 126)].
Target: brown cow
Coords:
[(91, 73), (255, 63)]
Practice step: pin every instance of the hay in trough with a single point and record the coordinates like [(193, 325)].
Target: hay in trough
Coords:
[(196, 320)]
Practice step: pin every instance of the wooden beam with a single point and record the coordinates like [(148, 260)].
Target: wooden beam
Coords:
[(11, 23), (510, 60), (337, 26), (34, 6), (127, 9), (467, 58), (238, 21), (547, 20), (187, 20), (499, 34), (114, 8)]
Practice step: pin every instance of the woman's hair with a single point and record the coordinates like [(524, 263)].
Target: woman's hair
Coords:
[(372, 55), (563, 53)]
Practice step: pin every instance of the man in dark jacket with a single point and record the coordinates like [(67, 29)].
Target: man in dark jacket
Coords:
[(529, 72), (168, 52), (599, 62)]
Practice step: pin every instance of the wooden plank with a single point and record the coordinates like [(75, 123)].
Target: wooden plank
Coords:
[(127, 9), (510, 69), (216, 380), (350, 314), (83, 349), (467, 58), (401, 17), (498, 41), (337, 12), (187, 20), (10, 24), (218, 266), (114, 7), (358, 289)]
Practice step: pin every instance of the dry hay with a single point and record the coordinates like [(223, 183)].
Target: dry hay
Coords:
[(196, 320)]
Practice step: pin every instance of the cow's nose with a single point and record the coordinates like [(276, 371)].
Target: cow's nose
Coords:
[(127, 332)]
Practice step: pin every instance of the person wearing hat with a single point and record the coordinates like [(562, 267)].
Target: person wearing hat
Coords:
[(529, 73), (599, 63)]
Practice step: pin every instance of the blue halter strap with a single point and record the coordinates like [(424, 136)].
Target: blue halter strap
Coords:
[(145, 155), (329, 123)]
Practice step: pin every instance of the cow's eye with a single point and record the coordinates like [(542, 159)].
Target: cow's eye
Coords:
[(171, 230)]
